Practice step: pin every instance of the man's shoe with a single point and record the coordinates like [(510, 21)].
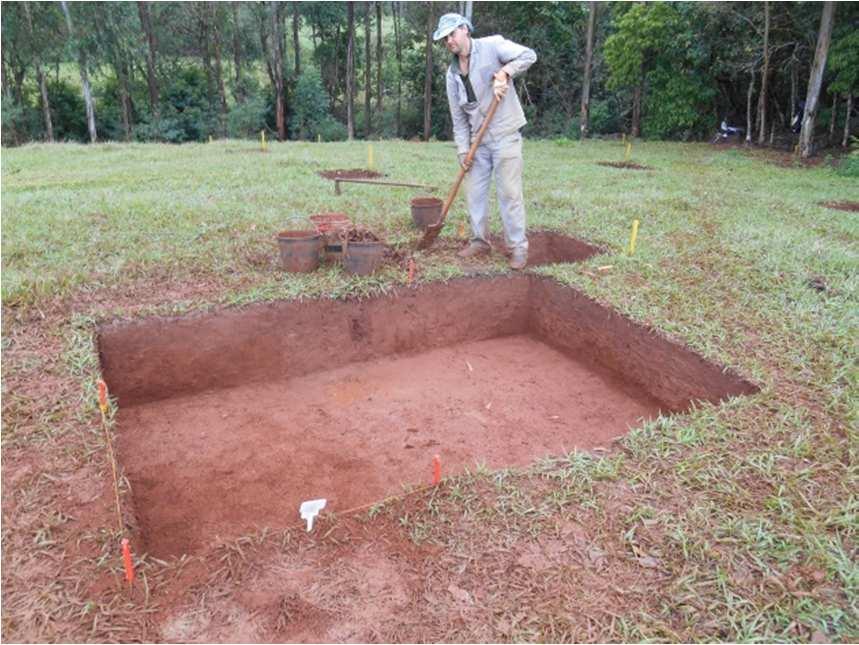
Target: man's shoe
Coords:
[(519, 260), (474, 249)]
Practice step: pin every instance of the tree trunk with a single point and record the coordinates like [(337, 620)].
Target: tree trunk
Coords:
[(846, 138), (151, 80), (806, 136), (762, 99), (468, 9), (40, 77), (82, 66), (204, 18), (832, 116), (350, 70), (396, 16), (219, 76), (635, 130), (237, 54), (584, 126), (277, 69), (379, 58), (368, 106), (124, 95), (296, 43), (793, 84), (749, 95), (428, 76), (7, 92)]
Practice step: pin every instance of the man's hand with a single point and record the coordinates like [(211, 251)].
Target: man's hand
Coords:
[(462, 156), (499, 84)]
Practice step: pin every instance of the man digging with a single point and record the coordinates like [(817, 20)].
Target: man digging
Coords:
[(481, 70)]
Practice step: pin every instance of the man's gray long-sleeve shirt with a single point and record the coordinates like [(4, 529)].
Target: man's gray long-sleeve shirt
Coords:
[(487, 56)]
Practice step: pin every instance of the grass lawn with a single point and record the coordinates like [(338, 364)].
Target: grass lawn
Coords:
[(735, 522)]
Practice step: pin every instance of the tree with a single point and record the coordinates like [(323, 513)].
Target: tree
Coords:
[(151, 79), (643, 32), (762, 98), (40, 77), (586, 85), (428, 77), (350, 70), (296, 44), (82, 67), (379, 58), (806, 136), (844, 64), (368, 106), (273, 46), (239, 93), (396, 12)]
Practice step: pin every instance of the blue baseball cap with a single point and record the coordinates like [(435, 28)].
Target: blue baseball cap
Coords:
[(448, 22)]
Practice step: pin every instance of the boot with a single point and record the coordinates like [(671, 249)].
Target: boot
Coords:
[(518, 260), (475, 248)]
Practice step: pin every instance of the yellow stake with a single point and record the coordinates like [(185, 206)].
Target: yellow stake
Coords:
[(262, 140), (633, 236), (628, 151), (370, 163)]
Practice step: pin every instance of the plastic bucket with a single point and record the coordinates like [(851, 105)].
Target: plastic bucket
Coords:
[(299, 250), (426, 211), (363, 258)]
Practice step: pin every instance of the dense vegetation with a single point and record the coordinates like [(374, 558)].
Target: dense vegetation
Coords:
[(177, 72)]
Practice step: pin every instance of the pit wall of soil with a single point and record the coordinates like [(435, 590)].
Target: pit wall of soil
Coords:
[(154, 359)]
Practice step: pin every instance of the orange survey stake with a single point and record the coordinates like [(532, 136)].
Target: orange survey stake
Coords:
[(436, 469), (126, 558), (102, 396)]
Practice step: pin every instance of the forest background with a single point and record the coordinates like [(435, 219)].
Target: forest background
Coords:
[(326, 71)]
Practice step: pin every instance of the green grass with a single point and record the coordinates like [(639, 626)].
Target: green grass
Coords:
[(737, 503)]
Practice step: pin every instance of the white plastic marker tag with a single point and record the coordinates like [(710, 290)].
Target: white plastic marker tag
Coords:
[(310, 509)]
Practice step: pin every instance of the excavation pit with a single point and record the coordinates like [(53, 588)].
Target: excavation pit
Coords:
[(229, 420)]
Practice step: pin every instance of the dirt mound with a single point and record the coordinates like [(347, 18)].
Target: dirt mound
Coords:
[(851, 207), (627, 165)]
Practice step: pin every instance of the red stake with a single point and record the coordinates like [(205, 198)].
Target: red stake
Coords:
[(102, 396), (436, 470), (126, 558), (411, 271)]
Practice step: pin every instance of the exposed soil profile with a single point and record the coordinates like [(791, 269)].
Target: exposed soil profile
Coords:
[(628, 165), (229, 420), (851, 207), (354, 173)]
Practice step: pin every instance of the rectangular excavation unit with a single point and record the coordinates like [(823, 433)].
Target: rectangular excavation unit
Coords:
[(229, 420)]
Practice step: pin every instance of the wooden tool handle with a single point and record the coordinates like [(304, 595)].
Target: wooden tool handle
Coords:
[(468, 159)]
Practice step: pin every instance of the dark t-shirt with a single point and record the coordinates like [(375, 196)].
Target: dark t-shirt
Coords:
[(469, 91)]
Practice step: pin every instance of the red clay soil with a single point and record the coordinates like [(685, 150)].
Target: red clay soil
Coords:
[(851, 207), (549, 247), (229, 420), (223, 463), (354, 173), (627, 165)]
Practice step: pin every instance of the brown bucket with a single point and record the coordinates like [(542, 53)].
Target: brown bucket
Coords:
[(363, 258), (426, 211), (299, 250)]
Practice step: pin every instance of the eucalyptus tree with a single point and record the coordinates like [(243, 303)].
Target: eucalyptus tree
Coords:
[(79, 44)]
